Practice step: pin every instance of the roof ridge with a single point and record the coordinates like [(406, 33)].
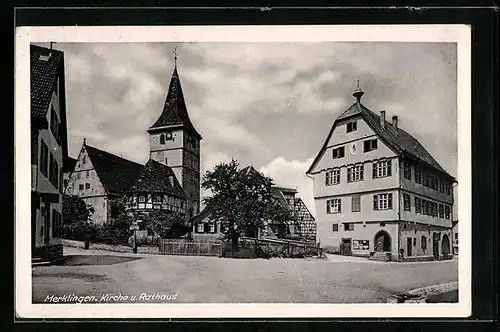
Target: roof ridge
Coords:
[(112, 154)]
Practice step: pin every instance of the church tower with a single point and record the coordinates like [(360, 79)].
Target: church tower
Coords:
[(174, 141)]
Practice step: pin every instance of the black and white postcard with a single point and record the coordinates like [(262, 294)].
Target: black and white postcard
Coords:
[(243, 171)]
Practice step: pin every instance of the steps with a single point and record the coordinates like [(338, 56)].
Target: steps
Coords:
[(381, 256), (37, 261)]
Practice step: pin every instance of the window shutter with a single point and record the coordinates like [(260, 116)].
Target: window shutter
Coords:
[(215, 227), (389, 201), (375, 202), (389, 167), (205, 228), (374, 170), (340, 205)]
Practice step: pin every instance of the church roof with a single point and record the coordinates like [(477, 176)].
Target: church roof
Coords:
[(174, 110), (69, 164), (400, 141), (154, 178), (116, 174), (45, 65)]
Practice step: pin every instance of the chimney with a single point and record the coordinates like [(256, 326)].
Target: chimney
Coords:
[(382, 119), (395, 121)]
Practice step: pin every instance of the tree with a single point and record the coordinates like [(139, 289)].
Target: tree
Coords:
[(166, 224), (241, 200), (117, 231), (75, 209)]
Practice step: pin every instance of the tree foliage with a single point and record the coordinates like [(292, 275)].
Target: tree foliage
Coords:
[(117, 231), (241, 199), (166, 224), (75, 209)]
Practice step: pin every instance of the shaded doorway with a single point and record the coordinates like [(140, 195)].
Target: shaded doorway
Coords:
[(346, 247), (435, 245), (382, 241), (445, 246), (409, 246)]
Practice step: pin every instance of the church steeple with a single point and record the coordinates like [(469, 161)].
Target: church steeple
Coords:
[(174, 112)]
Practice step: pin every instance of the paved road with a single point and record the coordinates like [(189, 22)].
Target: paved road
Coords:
[(221, 280)]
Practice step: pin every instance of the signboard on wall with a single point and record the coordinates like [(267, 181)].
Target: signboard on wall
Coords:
[(360, 245)]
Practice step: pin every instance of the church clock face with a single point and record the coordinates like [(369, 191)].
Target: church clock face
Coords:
[(354, 148)]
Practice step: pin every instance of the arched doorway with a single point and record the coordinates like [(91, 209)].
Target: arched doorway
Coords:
[(382, 241), (445, 245)]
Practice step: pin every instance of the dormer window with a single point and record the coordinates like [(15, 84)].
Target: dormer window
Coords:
[(352, 126), (338, 152)]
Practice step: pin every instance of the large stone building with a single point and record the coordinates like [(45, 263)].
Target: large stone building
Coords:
[(48, 150), (378, 192), (169, 180)]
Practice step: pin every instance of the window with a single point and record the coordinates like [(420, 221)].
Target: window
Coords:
[(332, 176), (441, 211), (84, 160), (370, 145), (382, 169), (54, 124), (447, 212), (44, 158), (434, 182), (414, 241), (169, 136), (418, 205), (355, 173), (352, 126), (211, 228), (80, 186), (406, 202), (338, 152), (87, 173), (333, 206), (434, 209), (423, 242), (382, 201), (335, 227), (162, 139), (447, 187), (456, 236), (156, 198), (200, 228), (418, 175), (407, 170), (441, 185), (356, 203), (87, 185), (348, 226)]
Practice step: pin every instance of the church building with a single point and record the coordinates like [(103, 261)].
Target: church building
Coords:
[(170, 179), (378, 192)]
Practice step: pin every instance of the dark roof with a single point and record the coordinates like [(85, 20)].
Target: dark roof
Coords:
[(174, 110), (249, 169), (401, 142), (277, 194), (287, 190), (153, 178), (69, 164), (43, 77), (116, 174), (200, 216)]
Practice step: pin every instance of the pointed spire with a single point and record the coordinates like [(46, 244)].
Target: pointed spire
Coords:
[(84, 141), (358, 93), (175, 62)]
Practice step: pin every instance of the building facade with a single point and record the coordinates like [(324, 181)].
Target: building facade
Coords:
[(378, 192), (174, 142), (48, 150)]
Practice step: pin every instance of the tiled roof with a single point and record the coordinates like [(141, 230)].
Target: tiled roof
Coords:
[(116, 174), (43, 77), (174, 110), (396, 138), (154, 178), (69, 164), (287, 190)]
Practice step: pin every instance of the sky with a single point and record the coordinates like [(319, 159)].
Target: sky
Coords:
[(269, 105)]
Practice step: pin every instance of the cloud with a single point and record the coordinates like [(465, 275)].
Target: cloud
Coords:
[(292, 174)]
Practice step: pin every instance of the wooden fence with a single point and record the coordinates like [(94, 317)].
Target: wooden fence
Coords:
[(282, 247), (190, 248)]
